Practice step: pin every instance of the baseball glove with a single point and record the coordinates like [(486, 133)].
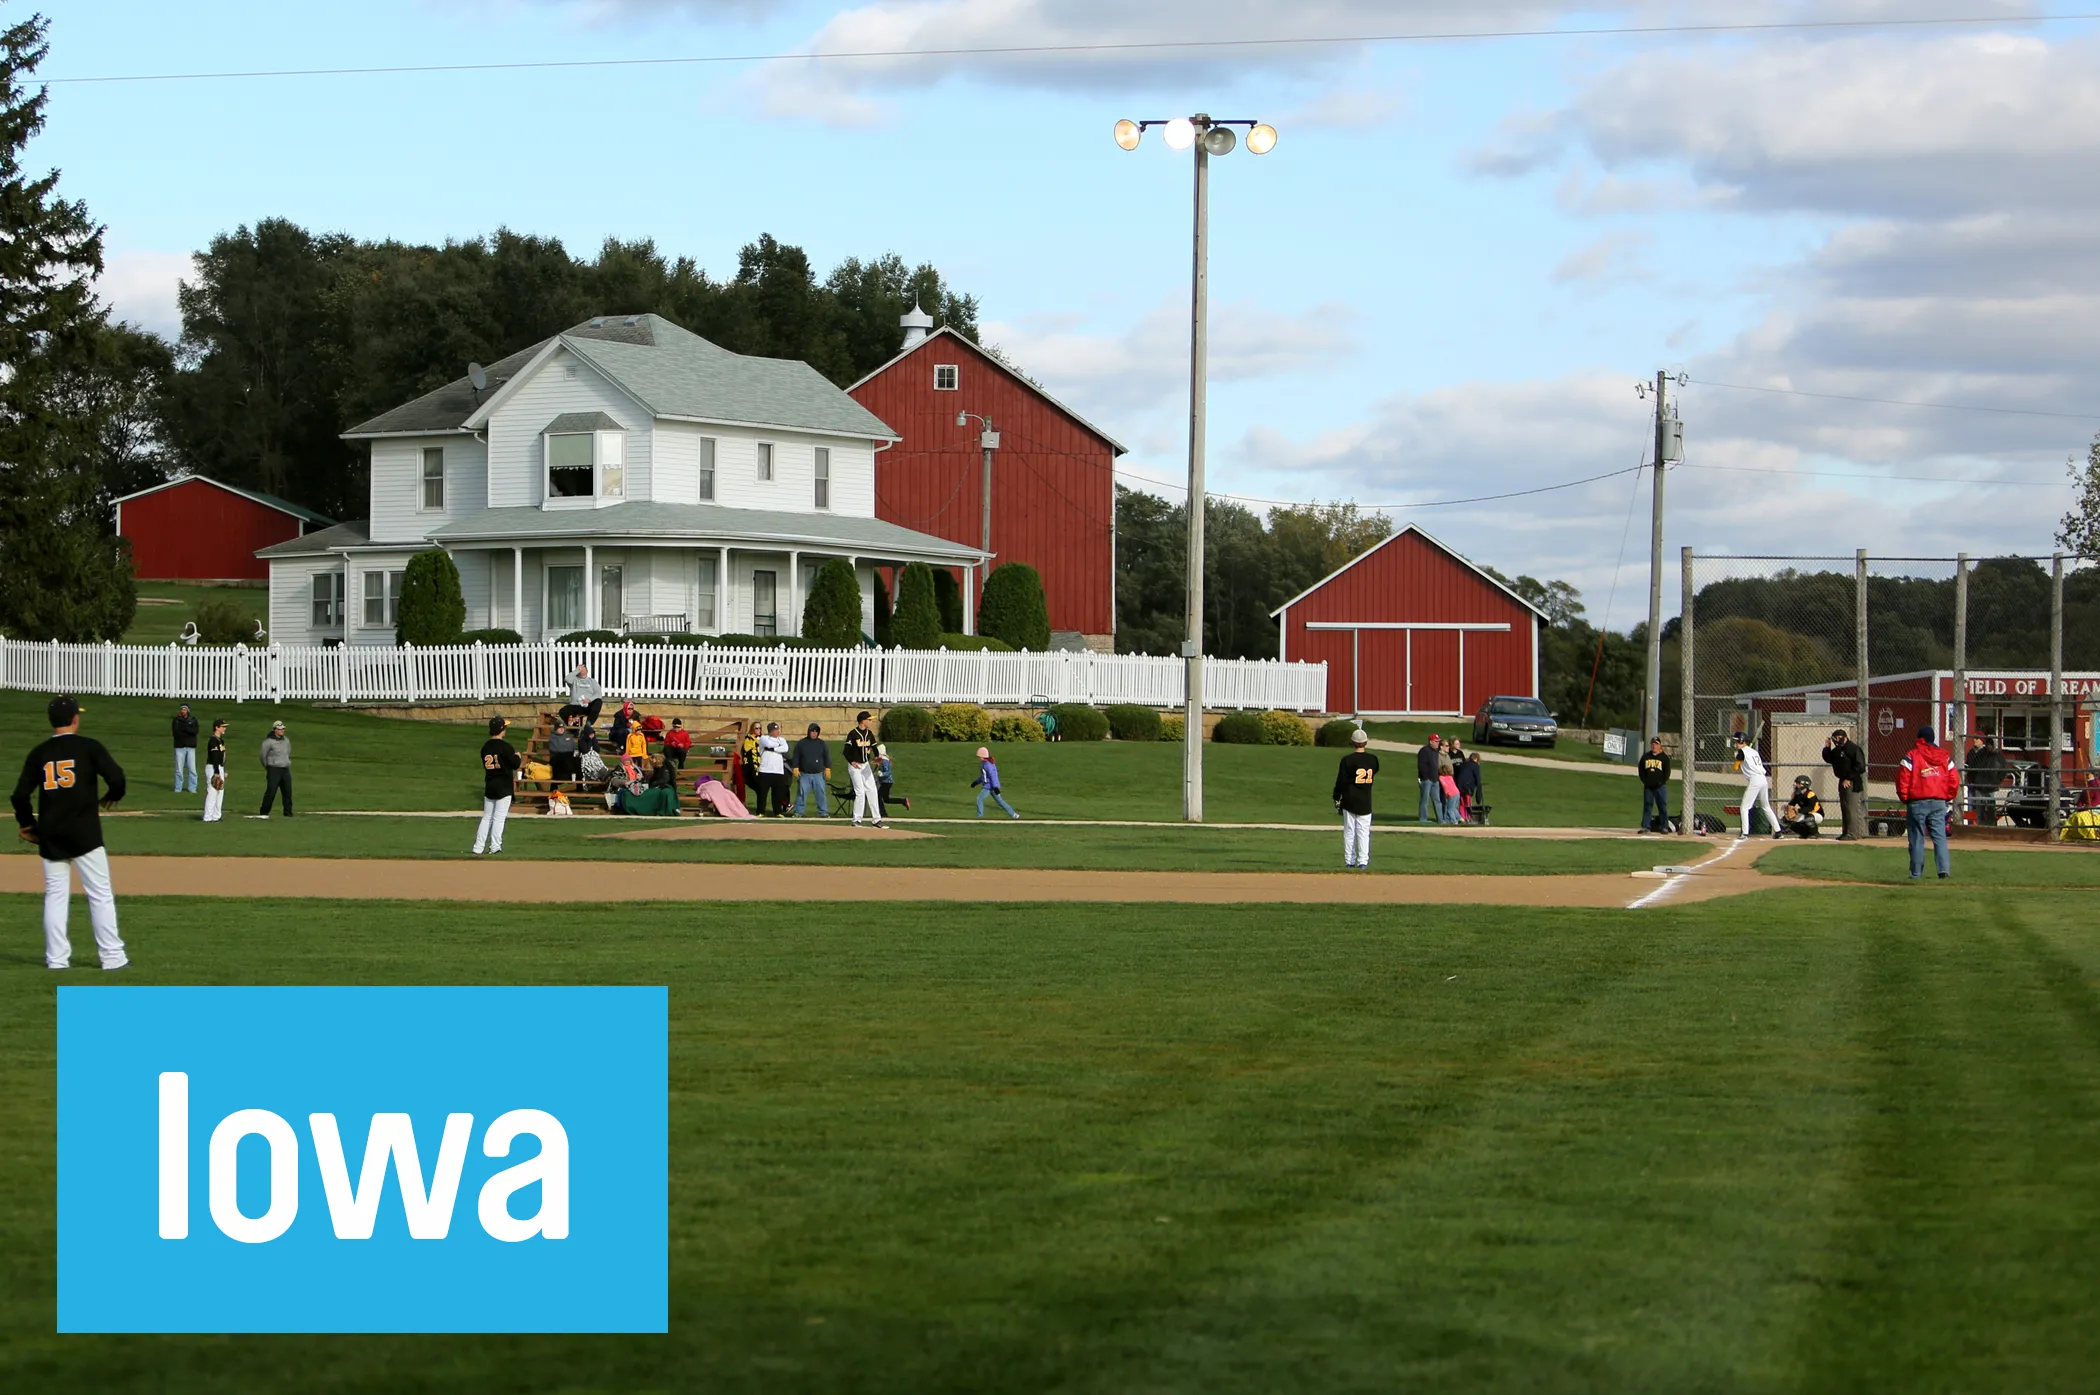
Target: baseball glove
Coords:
[(28, 835), (218, 782)]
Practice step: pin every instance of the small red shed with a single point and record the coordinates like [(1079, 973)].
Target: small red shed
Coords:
[(199, 529), (1053, 472), (1411, 627)]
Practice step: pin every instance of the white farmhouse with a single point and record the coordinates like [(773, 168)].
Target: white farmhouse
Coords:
[(624, 475)]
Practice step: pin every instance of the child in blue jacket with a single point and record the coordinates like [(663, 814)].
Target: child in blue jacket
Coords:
[(987, 783)]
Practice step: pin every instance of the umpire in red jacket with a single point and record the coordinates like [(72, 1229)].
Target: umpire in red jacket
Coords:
[(1926, 783)]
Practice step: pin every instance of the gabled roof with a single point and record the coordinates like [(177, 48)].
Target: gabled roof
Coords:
[(327, 540), (669, 371), (1037, 388), (1398, 534), (702, 524), (268, 501)]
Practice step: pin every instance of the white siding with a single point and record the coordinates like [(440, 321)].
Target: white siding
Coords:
[(474, 585), (291, 599), (516, 474), (397, 485), (355, 630), (793, 486), (674, 459)]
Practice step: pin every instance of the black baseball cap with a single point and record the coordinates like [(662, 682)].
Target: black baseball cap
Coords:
[(496, 726), (62, 710), (814, 728), (861, 718)]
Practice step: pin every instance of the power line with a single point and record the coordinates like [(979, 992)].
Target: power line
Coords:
[(1901, 402), (1382, 508), (1132, 46), (1875, 479)]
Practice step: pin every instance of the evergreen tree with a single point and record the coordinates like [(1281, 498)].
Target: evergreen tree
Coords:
[(67, 576), (432, 609), (917, 623), (831, 615), (1014, 608), (947, 599)]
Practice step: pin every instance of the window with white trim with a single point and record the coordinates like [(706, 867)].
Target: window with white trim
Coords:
[(765, 460), (328, 600), (587, 464), (612, 464), (433, 477), (823, 475), (383, 599), (947, 377), (707, 469), (704, 597), (564, 599)]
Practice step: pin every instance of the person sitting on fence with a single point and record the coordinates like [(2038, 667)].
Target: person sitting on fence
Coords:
[(562, 752), (586, 697), (1803, 815), (678, 743)]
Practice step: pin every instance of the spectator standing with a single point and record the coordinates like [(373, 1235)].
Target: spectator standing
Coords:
[(1654, 770), (1925, 782), (1986, 778), (860, 770), (215, 773), (1426, 765), (1352, 799), (772, 768), (1447, 785), (586, 697), (276, 757), (66, 826), (1757, 786), (563, 752), (499, 784), (812, 769), (185, 749), (1847, 760), (987, 784), (1466, 770), (678, 744), (747, 752)]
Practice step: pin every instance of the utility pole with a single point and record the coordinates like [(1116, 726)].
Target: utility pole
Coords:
[(1192, 642), (1669, 445), (989, 439)]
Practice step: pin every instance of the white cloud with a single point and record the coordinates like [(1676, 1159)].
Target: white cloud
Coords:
[(1612, 260), (139, 287)]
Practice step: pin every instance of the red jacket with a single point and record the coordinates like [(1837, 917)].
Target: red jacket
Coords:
[(679, 739), (1926, 773)]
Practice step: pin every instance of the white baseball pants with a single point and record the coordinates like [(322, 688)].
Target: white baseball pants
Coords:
[(214, 800), (865, 791), (93, 870), (1356, 840), (490, 834), (1758, 793)]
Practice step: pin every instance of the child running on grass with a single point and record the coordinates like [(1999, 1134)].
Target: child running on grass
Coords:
[(987, 783)]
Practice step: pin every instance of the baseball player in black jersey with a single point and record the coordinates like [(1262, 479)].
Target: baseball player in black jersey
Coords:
[(1352, 800), (860, 769), (499, 783), (66, 827)]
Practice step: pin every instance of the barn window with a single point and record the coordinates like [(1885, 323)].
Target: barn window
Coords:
[(433, 477), (947, 377), (823, 477)]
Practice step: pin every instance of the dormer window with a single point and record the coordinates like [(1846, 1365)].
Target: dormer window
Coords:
[(586, 457), (947, 377)]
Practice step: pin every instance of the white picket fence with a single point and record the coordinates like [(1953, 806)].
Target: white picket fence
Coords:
[(655, 672)]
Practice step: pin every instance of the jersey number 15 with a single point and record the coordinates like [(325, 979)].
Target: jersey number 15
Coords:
[(58, 774)]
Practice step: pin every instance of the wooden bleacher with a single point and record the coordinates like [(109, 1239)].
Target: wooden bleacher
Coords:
[(714, 750)]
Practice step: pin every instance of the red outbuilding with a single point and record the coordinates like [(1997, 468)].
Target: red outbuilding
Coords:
[(1409, 626), (198, 529), (1053, 472)]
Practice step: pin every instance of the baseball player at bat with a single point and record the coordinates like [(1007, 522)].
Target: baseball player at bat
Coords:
[(66, 827)]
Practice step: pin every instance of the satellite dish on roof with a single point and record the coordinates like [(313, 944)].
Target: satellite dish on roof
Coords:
[(478, 376)]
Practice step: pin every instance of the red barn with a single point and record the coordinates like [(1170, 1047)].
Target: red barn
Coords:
[(197, 529), (1412, 627), (1053, 473)]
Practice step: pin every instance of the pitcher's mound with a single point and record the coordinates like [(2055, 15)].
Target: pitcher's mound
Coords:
[(764, 830)]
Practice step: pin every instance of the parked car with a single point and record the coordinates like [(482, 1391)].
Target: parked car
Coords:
[(1517, 721)]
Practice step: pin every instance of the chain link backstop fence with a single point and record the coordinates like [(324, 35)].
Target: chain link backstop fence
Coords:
[(1994, 654)]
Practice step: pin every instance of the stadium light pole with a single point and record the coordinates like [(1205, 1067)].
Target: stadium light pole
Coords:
[(1210, 137)]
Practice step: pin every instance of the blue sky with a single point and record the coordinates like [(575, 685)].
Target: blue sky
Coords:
[(1443, 283)]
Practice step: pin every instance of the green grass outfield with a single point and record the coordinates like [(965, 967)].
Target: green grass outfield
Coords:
[(349, 760), (1887, 861), (162, 623), (1566, 749), (993, 843), (1802, 1141)]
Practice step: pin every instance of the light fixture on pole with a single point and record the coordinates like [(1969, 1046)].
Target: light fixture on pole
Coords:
[(988, 441), (1209, 137)]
